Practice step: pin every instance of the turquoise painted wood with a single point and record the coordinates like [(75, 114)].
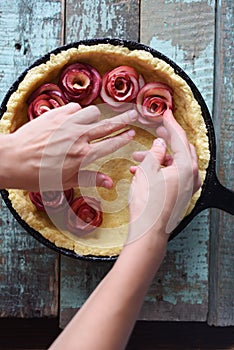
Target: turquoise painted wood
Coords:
[(184, 31), (28, 270), (196, 279), (92, 19), (221, 308)]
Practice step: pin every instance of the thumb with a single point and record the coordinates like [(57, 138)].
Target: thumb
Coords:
[(156, 156), (158, 150)]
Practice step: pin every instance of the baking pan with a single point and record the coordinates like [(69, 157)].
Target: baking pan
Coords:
[(213, 194)]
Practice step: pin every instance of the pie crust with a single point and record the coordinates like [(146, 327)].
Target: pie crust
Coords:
[(108, 239)]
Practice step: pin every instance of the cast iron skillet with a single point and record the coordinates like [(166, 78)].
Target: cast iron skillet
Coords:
[(213, 194)]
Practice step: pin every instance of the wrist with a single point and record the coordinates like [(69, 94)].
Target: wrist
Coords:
[(144, 255), (152, 244), (140, 230), (6, 160)]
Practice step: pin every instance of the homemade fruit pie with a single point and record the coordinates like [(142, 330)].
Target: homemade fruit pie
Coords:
[(95, 220)]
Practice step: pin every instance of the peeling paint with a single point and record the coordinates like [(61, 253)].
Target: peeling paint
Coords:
[(29, 29), (184, 31), (36, 26), (209, 2), (200, 71), (102, 18), (189, 26)]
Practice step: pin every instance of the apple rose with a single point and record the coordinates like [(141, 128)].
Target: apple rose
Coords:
[(46, 97), (80, 83), (152, 101), (120, 87), (84, 215), (54, 201)]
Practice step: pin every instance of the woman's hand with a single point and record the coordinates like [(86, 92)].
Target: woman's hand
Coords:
[(48, 152), (158, 196), (163, 184)]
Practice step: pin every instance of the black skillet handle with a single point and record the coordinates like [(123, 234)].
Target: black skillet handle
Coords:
[(218, 196), (214, 195)]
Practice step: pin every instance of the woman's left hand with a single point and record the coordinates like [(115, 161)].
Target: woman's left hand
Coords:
[(48, 152)]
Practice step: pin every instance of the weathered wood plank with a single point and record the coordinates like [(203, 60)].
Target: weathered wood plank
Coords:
[(100, 19), (180, 289), (92, 19), (78, 280), (184, 31), (174, 295), (28, 270), (221, 310)]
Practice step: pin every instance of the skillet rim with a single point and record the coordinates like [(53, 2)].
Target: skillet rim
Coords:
[(131, 45)]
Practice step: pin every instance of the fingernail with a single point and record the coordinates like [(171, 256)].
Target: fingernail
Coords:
[(133, 115), (168, 112), (159, 142), (107, 184), (131, 133)]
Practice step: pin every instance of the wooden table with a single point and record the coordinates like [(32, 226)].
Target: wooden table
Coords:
[(196, 280)]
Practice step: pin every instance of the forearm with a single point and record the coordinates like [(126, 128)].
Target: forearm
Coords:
[(107, 318), (136, 268), (12, 169)]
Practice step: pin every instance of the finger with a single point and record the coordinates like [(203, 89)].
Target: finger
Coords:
[(197, 183), (197, 179), (158, 151), (108, 146), (87, 115), (133, 169), (88, 178), (193, 152), (69, 108), (139, 156), (168, 160), (178, 139), (162, 132), (110, 125)]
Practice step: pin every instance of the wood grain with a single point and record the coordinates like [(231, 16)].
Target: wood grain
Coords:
[(28, 270), (100, 19), (196, 276), (78, 280), (179, 291), (183, 31), (221, 310)]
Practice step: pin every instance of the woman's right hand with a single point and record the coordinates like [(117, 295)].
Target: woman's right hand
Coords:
[(163, 184)]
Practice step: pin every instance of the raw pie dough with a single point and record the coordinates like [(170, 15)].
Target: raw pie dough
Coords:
[(109, 238)]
